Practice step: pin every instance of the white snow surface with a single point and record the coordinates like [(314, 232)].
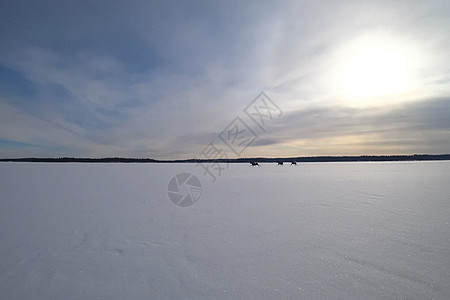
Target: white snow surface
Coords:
[(315, 231)]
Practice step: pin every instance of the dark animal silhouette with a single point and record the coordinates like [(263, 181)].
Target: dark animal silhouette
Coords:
[(280, 163), (253, 164), (293, 163)]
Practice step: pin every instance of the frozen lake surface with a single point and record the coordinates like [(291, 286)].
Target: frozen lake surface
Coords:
[(316, 231)]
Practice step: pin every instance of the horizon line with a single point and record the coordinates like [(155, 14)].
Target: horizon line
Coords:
[(319, 158)]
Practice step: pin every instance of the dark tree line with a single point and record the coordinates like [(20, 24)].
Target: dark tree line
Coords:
[(415, 157)]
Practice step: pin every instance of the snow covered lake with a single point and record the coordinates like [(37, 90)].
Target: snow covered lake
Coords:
[(315, 231)]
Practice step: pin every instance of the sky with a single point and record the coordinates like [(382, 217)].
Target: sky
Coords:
[(165, 79)]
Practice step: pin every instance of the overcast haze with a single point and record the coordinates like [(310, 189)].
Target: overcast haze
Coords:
[(161, 79)]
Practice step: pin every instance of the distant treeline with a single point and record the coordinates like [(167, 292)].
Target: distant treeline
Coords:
[(82, 160), (415, 157)]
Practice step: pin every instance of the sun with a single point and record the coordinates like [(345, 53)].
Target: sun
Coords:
[(375, 71), (372, 69)]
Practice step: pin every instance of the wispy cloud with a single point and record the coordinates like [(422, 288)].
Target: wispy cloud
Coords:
[(159, 79), (419, 127)]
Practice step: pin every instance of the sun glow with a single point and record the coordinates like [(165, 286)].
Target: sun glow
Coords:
[(372, 69)]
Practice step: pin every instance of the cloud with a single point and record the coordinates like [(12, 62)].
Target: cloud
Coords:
[(421, 126), (161, 79)]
